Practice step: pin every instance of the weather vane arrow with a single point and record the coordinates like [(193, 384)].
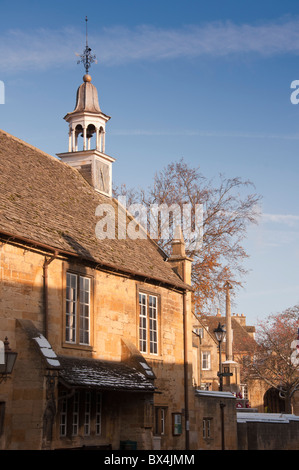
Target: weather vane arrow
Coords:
[(87, 58)]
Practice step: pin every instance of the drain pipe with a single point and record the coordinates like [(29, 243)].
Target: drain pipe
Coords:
[(46, 292), (186, 370)]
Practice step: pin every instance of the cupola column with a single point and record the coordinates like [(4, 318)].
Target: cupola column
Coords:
[(70, 139), (103, 141), (75, 145), (84, 138), (73, 140), (98, 138)]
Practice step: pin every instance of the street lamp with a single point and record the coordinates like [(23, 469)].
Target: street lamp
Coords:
[(7, 359), (220, 335)]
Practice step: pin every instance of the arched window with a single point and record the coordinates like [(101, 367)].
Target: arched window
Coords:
[(273, 403), (78, 131), (90, 133)]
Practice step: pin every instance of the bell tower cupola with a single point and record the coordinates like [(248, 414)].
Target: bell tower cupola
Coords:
[(87, 132)]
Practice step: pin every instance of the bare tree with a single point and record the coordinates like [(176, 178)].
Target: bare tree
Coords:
[(227, 210), (275, 359)]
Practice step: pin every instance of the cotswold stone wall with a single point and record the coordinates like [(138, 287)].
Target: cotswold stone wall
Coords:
[(212, 407), (114, 317), (266, 435)]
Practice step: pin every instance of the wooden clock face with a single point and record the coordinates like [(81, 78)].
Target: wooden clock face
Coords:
[(102, 176)]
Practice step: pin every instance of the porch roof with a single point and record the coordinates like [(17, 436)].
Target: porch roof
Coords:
[(133, 374), (103, 375)]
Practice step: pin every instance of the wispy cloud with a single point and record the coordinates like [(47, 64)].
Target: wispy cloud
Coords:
[(212, 39), (277, 292), (290, 220), (44, 48), (203, 133), (275, 231)]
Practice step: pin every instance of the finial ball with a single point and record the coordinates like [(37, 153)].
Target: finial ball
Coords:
[(87, 78)]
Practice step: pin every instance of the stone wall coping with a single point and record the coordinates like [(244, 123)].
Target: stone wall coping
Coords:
[(266, 417), (215, 394)]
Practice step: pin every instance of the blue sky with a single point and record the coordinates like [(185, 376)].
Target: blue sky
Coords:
[(206, 81)]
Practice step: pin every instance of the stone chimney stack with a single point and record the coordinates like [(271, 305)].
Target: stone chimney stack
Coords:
[(179, 260), (229, 343)]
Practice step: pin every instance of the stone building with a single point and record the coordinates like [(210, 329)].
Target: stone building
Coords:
[(238, 343), (100, 320), (249, 393), (99, 316)]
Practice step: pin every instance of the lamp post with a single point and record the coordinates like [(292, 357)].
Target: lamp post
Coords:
[(7, 359), (220, 335)]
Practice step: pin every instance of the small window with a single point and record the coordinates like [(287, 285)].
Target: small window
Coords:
[(77, 318), (63, 415), (206, 386), (87, 414), (206, 360), (75, 430), (98, 413), (244, 391), (148, 323), (198, 331), (80, 414), (142, 323), (207, 428), (160, 420)]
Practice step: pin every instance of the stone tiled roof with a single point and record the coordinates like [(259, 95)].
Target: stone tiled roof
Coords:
[(242, 339), (133, 375), (45, 200), (103, 375)]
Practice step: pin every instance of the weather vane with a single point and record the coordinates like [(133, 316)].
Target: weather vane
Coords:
[(87, 58)]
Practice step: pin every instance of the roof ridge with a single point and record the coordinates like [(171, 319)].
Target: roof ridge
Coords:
[(50, 157), (55, 214), (23, 142)]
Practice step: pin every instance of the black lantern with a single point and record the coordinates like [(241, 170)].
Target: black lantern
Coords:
[(220, 333), (7, 360), (220, 336)]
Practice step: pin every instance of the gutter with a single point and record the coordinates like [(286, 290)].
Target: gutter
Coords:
[(112, 267), (46, 291), (186, 372), (186, 369)]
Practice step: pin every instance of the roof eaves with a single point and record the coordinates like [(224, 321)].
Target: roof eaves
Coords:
[(98, 263)]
